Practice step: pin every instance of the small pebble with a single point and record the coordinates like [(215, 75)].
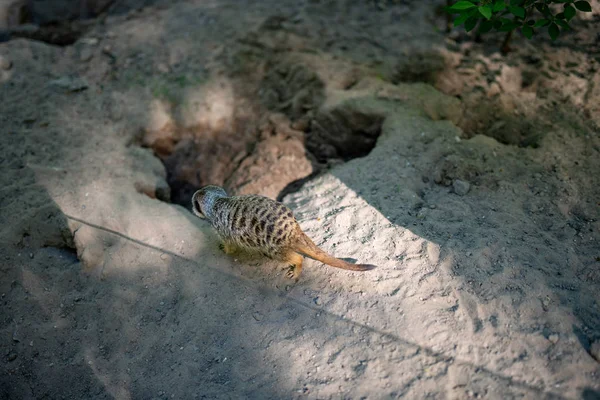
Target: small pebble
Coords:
[(86, 54), (163, 68), (553, 338), (70, 84), (461, 188), (545, 304), (257, 316), (317, 301), (12, 356), (5, 63), (92, 41)]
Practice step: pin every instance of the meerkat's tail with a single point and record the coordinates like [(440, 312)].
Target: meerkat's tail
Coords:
[(307, 248)]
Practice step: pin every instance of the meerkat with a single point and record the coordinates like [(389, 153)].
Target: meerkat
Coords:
[(261, 225)]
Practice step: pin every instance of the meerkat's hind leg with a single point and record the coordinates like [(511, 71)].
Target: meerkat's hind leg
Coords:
[(294, 260), (227, 247)]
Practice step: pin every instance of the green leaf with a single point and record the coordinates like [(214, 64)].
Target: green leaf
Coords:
[(518, 11), (541, 22), (499, 5), (461, 5), (583, 6), (461, 19), (486, 11), (563, 24), (553, 31), (570, 12), (527, 31), (485, 26), (470, 23), (560, 15), (508, 26)]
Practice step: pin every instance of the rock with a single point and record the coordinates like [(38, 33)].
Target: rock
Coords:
[(595, 350), (461, 188), (5, 63), (86, 54), (510, 79), (546, 304), (257, 316), (493, 90), (69, 84), (91, 41), (284, 157), (12, 356), (163, 68), (553, 338)]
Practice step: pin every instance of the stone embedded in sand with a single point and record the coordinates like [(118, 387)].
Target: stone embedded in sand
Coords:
[(510, 79), (86, 54), (285, 159), (91, 251), (461, 188), (69, 84), (5, 63)]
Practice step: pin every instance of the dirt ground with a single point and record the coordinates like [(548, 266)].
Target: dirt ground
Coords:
[(470, 178)]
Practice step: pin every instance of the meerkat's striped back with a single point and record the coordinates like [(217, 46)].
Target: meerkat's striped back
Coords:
[(253, 221), (260, 224)]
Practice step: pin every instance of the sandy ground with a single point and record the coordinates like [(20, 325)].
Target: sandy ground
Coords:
[(471, 179)]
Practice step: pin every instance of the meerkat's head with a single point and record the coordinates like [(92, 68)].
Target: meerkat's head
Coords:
[(203, 200)]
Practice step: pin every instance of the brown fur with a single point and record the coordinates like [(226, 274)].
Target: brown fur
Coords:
[(259, 224)]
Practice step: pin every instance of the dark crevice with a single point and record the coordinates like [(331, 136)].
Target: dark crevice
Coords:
[(58, 34), (63, 22), (331, 137), (344, 134), (271, 146)]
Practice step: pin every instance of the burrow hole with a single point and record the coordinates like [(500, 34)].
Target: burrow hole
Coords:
[(270, 148)]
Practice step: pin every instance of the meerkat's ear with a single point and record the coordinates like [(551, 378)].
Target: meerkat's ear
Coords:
[(196, 206)]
